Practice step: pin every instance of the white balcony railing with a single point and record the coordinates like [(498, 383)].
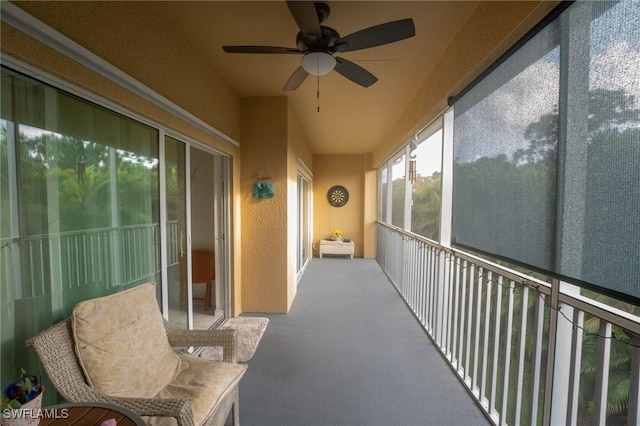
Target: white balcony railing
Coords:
[(100, 258), (524, 349)]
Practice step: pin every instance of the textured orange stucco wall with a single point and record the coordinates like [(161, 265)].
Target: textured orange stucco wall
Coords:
[(265, 244), (160, 57), (348, 171), (272, 143)]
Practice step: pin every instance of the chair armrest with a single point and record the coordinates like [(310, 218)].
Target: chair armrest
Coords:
[(180, 409), (226, 338)]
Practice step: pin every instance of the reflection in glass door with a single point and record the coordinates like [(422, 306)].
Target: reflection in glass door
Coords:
[(176, 231), (79, 211)]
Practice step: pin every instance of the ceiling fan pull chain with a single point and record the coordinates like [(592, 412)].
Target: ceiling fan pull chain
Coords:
[(318, 93)]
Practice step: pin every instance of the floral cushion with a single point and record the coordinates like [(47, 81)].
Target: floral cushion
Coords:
[(204, 382), (122, 344)]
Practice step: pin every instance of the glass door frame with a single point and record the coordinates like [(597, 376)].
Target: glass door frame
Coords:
[(222, 224), (222, 230), (163, 228)]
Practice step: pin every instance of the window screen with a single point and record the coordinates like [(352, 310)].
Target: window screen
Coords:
[(547, 151)]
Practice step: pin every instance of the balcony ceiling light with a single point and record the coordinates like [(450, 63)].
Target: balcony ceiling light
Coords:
[(318, 63)]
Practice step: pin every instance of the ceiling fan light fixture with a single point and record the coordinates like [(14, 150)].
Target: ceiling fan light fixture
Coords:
[(318, 63)]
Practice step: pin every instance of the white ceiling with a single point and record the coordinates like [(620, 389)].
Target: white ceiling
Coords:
[(352, 119)]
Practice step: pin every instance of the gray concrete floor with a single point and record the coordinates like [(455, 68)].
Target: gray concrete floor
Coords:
[(350, 353)]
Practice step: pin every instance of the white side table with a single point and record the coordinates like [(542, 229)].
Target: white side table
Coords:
[(337, 247)]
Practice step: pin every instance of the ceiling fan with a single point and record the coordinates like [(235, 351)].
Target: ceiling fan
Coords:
[(318, 44)]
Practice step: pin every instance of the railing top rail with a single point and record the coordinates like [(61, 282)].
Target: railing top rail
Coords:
[(603, 311), (84, 231), (520, 277), (420, 238), (512, 274)]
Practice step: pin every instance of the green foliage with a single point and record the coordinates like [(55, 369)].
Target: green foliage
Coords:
[(397, 202), (80, 171), (425, 211)]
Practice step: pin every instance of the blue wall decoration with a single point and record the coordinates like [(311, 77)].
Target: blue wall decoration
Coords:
[(264, 190)]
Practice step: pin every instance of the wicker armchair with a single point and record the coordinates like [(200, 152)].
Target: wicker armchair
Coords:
[(55, 347)]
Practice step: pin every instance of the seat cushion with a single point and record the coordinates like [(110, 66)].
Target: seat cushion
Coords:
[(204, 382), (122, 344)]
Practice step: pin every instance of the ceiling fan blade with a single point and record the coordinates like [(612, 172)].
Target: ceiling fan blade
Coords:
[(305, 15), (296, 79), (376, 36), (261, 49), (355, 73)]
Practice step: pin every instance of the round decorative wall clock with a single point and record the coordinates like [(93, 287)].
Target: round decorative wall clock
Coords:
[(338, 196)]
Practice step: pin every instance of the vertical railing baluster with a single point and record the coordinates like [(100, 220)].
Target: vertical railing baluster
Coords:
[(537, 364), (467, 358), (603, 357), (524, 312), (434, 291), (414, 278), (133, 255), (423, 282), (135, 237), (496, 347), (77, 257), (439, 299), (476, 387), (412, 272), (451, 292), (456, 289), (485, 346), (93, 260), (430, 314), (576, 362), (85, 269), (634, 385), (401, 266), (444, 318), (407, 272), (506, 390), (97, 267), (463, 315), (109, 250)]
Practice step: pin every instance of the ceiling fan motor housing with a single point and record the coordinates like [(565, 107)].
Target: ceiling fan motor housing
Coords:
[(309, 42)]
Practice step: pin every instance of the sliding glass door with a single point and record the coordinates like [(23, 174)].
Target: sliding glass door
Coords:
[(93, 203), (178, 290), (80, 209)]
